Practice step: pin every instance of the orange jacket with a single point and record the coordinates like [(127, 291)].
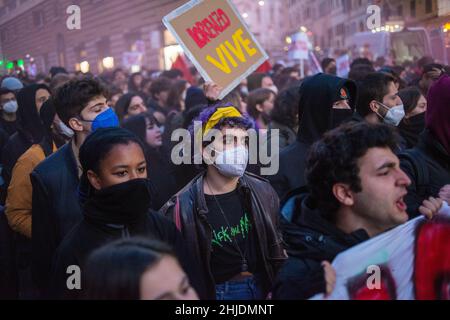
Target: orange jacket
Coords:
[(19, 198)]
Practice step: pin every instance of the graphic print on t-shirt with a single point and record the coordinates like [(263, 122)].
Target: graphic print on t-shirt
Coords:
[(226, 234)]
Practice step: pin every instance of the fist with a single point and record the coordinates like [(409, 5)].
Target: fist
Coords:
[(212, 90), (430, 207)]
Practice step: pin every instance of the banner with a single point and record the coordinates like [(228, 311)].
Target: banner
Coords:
[(217, 41), (409, 262), (299, 48), (343, 66)]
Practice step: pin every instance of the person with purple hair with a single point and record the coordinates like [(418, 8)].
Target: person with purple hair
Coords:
[(228, 217)]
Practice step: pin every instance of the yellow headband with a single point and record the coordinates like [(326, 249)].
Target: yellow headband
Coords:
[(226, 112)]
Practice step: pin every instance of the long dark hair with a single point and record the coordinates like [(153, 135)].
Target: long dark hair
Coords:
[(285, 110), (256, 97), (137, 124), (175, 93), (410, 97), (123, 104), (114, 271), (131, 85)]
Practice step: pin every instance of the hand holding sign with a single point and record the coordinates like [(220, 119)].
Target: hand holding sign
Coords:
[(217, 41), (212, 91)]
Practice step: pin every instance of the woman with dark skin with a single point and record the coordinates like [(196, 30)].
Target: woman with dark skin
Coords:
[(116, 200)]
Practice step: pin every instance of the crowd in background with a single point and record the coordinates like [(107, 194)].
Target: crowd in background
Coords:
[(87, 178)]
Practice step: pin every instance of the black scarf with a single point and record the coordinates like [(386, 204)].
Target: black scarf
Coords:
[(126, 204), (411, 128)]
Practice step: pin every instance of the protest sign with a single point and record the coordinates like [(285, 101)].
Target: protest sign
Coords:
[(217, 41)]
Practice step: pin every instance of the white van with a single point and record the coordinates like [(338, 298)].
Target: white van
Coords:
[(397, 47)]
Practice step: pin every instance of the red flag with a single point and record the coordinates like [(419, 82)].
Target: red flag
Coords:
[(265, 67), (180, 64)]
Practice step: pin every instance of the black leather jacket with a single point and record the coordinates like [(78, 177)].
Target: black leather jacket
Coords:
[(197, 231)]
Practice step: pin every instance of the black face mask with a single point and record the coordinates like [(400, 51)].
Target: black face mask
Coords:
[(411, 128), (339, 116), (125, 204)]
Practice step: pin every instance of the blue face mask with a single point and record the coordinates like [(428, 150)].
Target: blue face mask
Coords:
[(106, 119)]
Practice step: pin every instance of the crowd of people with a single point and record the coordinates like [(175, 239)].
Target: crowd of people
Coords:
[(88, 180)]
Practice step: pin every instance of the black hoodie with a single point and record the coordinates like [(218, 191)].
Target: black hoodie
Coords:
[(310, 239), (317, 95), (30, 131)]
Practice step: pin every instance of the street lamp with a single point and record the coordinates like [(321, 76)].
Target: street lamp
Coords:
[(108, 62), (84, 67)]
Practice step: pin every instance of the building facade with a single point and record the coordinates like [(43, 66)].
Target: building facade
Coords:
[(267, 21), (112, 33), (332, 23)]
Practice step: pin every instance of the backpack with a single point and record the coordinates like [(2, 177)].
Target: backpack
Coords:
[(420, 169)]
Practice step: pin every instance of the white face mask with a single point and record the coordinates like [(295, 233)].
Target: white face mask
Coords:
[(64, 130), (10, 106), (394, 115), (233, 162), (274, 89)]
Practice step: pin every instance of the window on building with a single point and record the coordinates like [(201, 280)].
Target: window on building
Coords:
[(428, 6), (308, 13), (56, 9), (400, 11), (104, 47), (80, 52), (412, 5), (340, 29), (61, 49), (131, 38), (11, 4), (38, 18), (4, 35), (347, 4)]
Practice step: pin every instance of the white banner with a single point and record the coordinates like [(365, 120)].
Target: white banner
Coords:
[(409, 262)]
